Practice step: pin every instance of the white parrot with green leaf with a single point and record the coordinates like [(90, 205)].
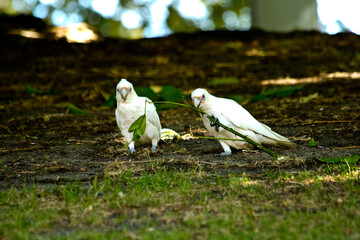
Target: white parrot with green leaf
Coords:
[(136, 124), (233, 115)]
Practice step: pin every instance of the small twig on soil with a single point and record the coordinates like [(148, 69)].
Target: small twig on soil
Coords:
[(208, 163), (349, 147), (123, 162), (335, 121), (20, 149)]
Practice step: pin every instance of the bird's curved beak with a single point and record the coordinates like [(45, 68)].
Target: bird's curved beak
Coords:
[(196, 102), (124, 93)]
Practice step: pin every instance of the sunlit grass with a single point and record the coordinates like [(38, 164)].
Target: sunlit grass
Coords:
[(158, 202)]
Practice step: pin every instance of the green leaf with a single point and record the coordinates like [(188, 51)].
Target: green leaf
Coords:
[(187, 96), (222, 81), (313, 143), (31, 90), (73, 108), (276, 92), (136, 124), (351, 160), (146, 92), (110, 101), (237, 98), (259, 97), (138, 127), (171, 94), (31, 137), (283, 91)]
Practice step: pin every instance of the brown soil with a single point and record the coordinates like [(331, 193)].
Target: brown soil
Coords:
[(42, 143)]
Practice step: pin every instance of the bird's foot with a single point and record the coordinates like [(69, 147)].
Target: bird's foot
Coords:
[(154, 148), (223, 154), (132, 150), (213, 124)]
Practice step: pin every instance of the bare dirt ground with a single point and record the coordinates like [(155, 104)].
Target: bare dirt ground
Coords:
[(43, 143)]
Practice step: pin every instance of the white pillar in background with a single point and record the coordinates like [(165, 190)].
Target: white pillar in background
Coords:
[(284, 15)]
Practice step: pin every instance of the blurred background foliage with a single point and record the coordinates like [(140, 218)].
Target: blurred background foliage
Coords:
[(138, 18)]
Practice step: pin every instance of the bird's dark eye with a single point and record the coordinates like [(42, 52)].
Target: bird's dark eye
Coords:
[(203, 98), (130, 89), (117, 90)]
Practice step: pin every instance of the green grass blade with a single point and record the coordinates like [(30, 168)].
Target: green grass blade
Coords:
[(71, 107), (351, 160)]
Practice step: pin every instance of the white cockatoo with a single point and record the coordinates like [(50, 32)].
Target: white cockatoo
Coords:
[(231, 114), (129, 108)]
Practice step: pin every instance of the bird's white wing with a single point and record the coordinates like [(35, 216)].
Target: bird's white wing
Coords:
[(118, 119), (239, 117), (152, 115)]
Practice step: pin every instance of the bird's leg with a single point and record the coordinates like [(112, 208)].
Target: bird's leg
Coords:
[(213, 124), (227, 149), (154, 143), (132, 147)]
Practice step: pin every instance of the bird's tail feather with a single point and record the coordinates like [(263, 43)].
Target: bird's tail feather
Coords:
[(279, 139), (286, 144), (168, 135)]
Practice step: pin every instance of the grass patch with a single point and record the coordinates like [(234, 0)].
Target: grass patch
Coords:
[(163, 203)]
